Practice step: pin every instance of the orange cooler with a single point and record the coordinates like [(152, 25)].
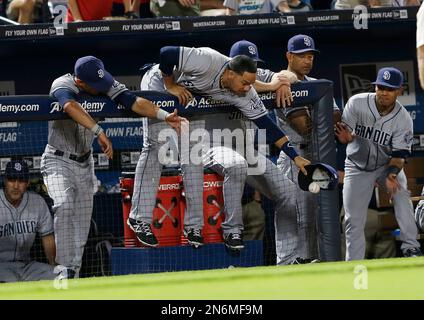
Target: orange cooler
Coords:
[(166, 220)]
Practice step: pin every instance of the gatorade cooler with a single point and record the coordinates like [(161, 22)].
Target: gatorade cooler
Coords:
[(166, 220), (213, 208)]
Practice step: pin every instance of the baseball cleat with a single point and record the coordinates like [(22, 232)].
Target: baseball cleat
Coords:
[(234, 241), (299, 260), (143, 232), (412, 252), (194, 237)]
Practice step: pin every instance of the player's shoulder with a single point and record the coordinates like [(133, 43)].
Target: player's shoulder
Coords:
[(64, 82), (402, 111), (363, 97)]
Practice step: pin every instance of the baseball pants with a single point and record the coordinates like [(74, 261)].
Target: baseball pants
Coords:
[(70, 185), (148, 173), (233, 167), (357, 193), (20, 271), (307, 206)]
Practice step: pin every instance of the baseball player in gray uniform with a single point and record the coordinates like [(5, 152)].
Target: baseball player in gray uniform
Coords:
[(273, 183), (67, 163), (23, 214), (296, 123), (205, 71), (379, 133)]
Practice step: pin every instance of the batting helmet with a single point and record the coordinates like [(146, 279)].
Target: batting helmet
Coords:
[(323, 174)]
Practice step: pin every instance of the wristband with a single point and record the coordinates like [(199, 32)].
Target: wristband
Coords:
[(97, 130), (391, 170), (162, 114), (289, 150)]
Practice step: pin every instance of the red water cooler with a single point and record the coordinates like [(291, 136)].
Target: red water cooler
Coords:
[(166, 220), (213, 208)]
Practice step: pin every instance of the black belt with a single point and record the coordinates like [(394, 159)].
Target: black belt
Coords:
[(302, 146), (74, 157)]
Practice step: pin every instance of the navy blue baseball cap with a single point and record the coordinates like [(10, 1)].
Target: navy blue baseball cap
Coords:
[(17, 169), (92, 71), (389, 77), (301, 43), (247, 48)]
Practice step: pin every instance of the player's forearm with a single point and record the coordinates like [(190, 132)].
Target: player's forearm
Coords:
[(266, 86), (49, 247), (79, 115), (420, 60), (148, 109), (73, 6)]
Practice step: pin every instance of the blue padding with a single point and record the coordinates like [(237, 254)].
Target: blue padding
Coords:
[(44, 107), (181, 258)]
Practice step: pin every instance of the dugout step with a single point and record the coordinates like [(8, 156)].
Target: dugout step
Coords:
[(183, 258)]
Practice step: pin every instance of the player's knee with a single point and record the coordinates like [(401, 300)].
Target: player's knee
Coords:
[(63, 204)]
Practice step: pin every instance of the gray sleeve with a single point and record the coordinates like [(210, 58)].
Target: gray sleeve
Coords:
[(349, 114), (264, 75), (152, 80), (116, 89), (64, 82), (402, 137)]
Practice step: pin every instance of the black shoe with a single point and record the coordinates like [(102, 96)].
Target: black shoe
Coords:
[(234, 241), (194, 237), (412, 252), (143, 232), (65, 273), (70, 273), (299, 260)]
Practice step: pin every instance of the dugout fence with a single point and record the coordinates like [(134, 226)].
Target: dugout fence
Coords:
[(23, 132)]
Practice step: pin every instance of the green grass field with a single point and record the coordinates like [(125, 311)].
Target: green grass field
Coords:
[(387, 279)]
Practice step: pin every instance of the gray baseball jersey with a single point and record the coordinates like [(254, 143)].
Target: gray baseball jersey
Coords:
[(376, 137), (70, 182), (200, 71), (67, 135), (367, 158), (19, 226)]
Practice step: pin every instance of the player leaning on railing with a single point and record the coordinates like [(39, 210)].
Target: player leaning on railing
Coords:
[(67, 163)]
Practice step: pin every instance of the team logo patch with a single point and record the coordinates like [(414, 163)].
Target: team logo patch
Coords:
[(307, 42), (101, 73), (252, 50), (386, 75), (18, 167), (409, 137)]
